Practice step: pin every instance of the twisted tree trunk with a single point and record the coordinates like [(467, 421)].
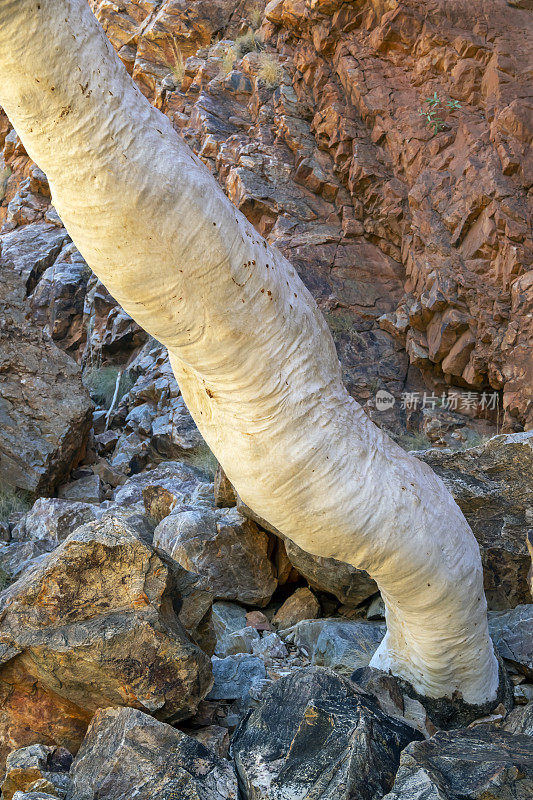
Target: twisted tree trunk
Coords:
[(251, 352)]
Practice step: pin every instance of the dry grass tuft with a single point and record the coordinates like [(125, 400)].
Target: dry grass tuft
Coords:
[(270, 70)]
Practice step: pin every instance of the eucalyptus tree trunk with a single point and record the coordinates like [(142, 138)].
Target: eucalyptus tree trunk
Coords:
[(251, 352)]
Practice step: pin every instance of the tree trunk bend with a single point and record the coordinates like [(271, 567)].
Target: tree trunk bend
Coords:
[(251, 352)]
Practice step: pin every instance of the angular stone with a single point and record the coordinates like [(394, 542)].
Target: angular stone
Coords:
[(94, 624), (512, 633), (302, 604), (316, 735), (520, 720), (350, 586), (227, 619), (37, 766), (493, 484), (43, 427), (127, 754), (225, 496), (478, 764), (234, 676), (345, 645), (51, 519), (186, 485), (227, 549), (84, 490)]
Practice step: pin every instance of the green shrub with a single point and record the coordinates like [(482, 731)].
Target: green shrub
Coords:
[(101, 383), (434, 108)]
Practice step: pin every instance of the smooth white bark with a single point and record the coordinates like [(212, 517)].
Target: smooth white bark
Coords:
[(251, 352)]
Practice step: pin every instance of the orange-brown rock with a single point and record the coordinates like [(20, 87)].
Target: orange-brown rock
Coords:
[(99, 622)]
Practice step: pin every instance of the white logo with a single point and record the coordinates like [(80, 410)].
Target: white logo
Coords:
[(384, 400)]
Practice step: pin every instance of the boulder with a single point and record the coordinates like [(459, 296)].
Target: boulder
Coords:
[(127, 754), (227, 619), (83, 490), (184, 484), (520, 720), (45, 411), (350, 586), (103, 620), (302, 604), (315, 734), (52, 520), (343, 645), (478, 764), (234, 676), (512, 633), (239, 642), (230, 551), (58, 299), (37, 768), (493, 484), (346, 645)]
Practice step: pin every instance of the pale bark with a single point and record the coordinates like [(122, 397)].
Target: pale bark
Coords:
[(251, 352)]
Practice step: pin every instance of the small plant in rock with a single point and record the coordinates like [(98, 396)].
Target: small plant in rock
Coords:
[(101, 383), (5, 579), (228, 61), (4, 177), (177, 65), (414, 441), (270, 70), (12, 501), (247, 43), (435, 109), (256, 17)]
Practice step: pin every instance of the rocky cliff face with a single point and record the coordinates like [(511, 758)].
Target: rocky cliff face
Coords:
[(410, 229)]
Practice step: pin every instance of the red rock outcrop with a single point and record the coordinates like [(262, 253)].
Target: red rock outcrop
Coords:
[(410, 229)]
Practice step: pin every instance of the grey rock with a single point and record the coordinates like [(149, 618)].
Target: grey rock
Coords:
[(520, 720), (227, 619), (316, 735), (270, 648), (475, 764), (30, 250), (512, 633), (185, 483), (230, 551), (84, 490), (37, 767), (493, 485), (127, 754), (240, 642), (345, 645), (51, 519), (234, 676), (57, 301), (43, 427)]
